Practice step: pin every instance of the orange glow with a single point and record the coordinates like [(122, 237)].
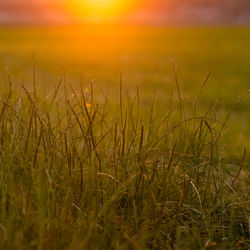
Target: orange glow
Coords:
[(99, 9)]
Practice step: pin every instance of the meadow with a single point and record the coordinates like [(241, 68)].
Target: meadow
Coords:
[(124, 138), (145, 57)]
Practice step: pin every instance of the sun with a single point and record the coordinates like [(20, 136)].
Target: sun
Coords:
[(102, 4), (99, 9)]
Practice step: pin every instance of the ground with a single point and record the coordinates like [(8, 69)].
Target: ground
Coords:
[(124, 138)]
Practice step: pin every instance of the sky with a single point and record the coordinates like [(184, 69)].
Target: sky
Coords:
[(144, 11)]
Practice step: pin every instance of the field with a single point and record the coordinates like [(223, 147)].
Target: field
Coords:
[(124, 138), (144, 56)]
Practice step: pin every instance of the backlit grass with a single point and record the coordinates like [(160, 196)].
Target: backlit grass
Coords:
[(81, 168), (145, 57)]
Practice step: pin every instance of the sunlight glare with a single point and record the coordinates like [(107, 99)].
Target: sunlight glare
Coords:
[(101, 9)]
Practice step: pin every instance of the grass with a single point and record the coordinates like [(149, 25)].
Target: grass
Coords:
[(81, 172), (145, 56), (95, 164)]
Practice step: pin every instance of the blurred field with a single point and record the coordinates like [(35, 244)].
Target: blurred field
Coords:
[(144, 56)]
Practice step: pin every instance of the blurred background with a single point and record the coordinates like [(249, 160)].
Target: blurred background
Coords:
[(138, 11)]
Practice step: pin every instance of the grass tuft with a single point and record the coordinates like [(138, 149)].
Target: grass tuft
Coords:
[(79, 170)]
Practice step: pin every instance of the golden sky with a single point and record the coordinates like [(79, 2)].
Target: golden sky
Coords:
[(102, 9), (137, 11)]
